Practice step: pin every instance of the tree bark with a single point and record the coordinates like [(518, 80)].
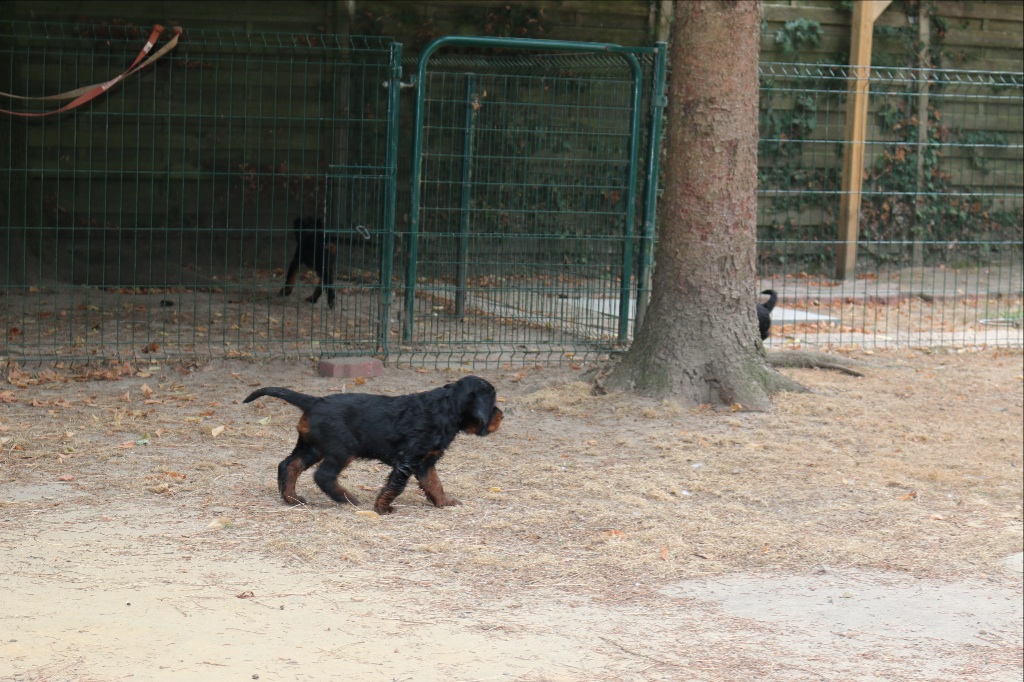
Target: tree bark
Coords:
[(699, 342)]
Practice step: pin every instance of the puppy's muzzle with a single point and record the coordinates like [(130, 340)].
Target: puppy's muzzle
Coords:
[(495, 422), (490, 427)]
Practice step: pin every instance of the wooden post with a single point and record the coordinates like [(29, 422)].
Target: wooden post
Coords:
[(924, 33), (665, 10), (864, 15)]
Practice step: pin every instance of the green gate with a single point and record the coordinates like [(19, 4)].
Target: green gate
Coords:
[(532, 189)]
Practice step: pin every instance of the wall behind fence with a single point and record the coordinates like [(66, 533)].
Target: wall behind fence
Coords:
[(980, 34)]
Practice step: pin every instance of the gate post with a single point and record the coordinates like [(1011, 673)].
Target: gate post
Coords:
[(387, 257), (646, 265), (462, 268)]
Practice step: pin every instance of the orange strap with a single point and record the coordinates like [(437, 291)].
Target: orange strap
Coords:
[(80, 96)]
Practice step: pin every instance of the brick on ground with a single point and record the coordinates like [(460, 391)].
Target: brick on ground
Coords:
[(350, 368)]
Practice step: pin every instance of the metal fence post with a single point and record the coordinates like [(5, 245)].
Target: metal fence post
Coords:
[(387, 265), (646, 265), (462, 267)]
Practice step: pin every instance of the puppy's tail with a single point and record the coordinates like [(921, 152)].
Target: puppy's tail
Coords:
[(772, 298), (299, 400)]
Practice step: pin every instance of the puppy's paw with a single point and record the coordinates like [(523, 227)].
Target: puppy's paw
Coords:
[(294, 499), (448, 502), (383, 509)]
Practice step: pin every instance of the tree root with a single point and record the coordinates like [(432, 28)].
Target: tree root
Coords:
[(812, 360)]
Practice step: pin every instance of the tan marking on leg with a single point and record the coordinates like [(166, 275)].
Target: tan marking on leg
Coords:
[(291, 478), (303, 426), (431, 485), (383, 504)]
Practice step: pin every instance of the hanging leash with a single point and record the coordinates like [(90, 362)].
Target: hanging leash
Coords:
[(80, 96)]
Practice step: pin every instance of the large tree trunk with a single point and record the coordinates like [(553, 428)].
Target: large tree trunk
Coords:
[(699, 342)]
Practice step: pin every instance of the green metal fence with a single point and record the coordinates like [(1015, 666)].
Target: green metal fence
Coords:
[(158, 220), (500, 210), (940, 241)]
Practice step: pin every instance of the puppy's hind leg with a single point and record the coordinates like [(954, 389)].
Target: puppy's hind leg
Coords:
[(327, 276), (326, 476), (293, 272), (291, 467), (325, 271)]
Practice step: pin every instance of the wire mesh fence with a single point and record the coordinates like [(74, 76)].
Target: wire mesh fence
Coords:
[(940, 241), (161, 221)]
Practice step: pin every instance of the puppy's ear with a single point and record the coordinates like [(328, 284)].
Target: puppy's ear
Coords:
[(483, 407), (477, 400)]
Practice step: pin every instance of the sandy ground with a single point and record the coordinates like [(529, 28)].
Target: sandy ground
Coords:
[(869, 530)]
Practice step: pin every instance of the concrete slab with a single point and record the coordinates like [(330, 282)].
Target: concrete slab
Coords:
[(610, 306)]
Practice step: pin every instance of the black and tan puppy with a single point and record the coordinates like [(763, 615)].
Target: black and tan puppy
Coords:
[(408, 432), (317, 247), (764, 313)]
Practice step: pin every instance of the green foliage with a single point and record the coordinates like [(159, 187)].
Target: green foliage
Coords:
[(909, 194), (367, 23), (799, 34), (514, 21), (502, 21), (977, 141), (901, 45)]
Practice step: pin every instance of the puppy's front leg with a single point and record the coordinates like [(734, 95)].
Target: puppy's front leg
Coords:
[(393, 487), (293, 272), (431, 485)]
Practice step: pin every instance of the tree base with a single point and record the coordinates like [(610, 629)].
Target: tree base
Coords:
[(611, 377), (701, 384)]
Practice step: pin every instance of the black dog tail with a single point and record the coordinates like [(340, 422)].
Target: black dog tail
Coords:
[(772, 298), (299, 400)]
